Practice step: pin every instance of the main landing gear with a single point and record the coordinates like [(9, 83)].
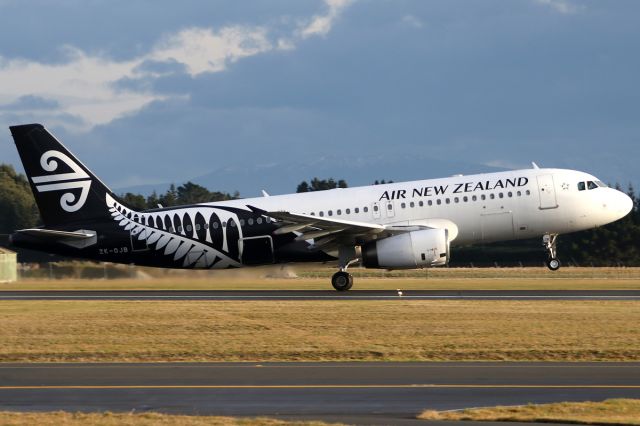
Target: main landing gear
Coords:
[(342, 280), (549, 243)]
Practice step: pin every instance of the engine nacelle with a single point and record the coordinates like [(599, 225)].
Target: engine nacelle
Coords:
[(411, 250)]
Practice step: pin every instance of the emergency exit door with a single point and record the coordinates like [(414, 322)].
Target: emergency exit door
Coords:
[(547, 192)]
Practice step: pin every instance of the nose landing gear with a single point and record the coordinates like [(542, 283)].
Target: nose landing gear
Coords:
[(549, 243)]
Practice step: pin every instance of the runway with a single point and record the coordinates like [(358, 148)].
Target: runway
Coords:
[(355, 393), (322, 295)]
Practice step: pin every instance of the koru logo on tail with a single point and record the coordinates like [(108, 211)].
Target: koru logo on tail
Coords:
[(78, 179)]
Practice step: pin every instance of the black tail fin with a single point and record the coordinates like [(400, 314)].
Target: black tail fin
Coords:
[(65, 190)]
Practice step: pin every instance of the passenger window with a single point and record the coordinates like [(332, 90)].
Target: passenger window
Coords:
[(348, 211), (403, 205), (179, 229), (390, 206), (241, 222), (528, 192), (412, 204), (357, 210), (456, 199), (197, 226), (421, 203), (492, 196), (224, 224), (330, 213), (519, 194), (259, 221), (233, 223), (483, 197), (321, 214), (474, 198), (591, 185), (465, 198), (501, 195), (581, 186), (215, 225), (365, 209), (338, 212), (448, 201), (250, 221), (438, 201), (375, 208), (510, 194)]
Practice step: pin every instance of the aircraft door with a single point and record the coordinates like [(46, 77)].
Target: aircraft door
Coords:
[(389, 208), (375, 210), (547, 192)]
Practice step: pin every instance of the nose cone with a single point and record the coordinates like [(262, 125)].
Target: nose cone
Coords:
[(626, 204), (621, 205)]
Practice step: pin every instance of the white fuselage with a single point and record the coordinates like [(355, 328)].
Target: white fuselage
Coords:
[(476, 208)]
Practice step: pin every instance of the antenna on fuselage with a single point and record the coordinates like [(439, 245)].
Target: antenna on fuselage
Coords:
[(534, 165)]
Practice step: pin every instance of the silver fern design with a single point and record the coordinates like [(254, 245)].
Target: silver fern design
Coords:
[(184, 234)]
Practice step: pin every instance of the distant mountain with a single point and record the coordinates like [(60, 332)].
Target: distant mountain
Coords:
[(282, 178)]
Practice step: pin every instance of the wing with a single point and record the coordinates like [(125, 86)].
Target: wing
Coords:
[(322, 230), (329, 233)]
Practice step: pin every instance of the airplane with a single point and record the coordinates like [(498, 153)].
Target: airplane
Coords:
[(405, 225)]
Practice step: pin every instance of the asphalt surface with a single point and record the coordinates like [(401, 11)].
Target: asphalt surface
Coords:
[(355, 393), (322, 295)]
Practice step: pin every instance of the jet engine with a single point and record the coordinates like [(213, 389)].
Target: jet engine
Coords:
[(411, 250)]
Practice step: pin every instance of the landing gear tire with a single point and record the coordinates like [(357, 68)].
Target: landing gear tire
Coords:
[(342, 281), (549, 243), (553, 264)]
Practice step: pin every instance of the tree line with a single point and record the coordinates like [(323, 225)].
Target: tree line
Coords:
[(617, 243)]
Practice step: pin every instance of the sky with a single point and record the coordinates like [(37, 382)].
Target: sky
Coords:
[(237, 95)]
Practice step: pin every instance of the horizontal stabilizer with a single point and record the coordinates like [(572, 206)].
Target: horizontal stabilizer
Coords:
[(80, 239), (57, 235)]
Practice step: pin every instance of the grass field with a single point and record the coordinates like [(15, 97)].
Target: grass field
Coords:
[(136, 419), (314, 278), (611, 411), (402, 330)]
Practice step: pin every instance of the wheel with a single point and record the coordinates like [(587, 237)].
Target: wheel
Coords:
[(342, 281), (553, 264)]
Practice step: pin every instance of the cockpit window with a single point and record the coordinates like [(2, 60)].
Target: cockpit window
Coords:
[(581, 186), (601, 184), (591, 185)]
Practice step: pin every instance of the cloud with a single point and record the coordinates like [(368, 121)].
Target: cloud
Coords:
[(95, 89), (203, 50), (561, 6), (320, 25)]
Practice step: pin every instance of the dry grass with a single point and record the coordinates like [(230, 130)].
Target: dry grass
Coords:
[(315, 278), (62, 418), (609, 412), (402, 330)]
